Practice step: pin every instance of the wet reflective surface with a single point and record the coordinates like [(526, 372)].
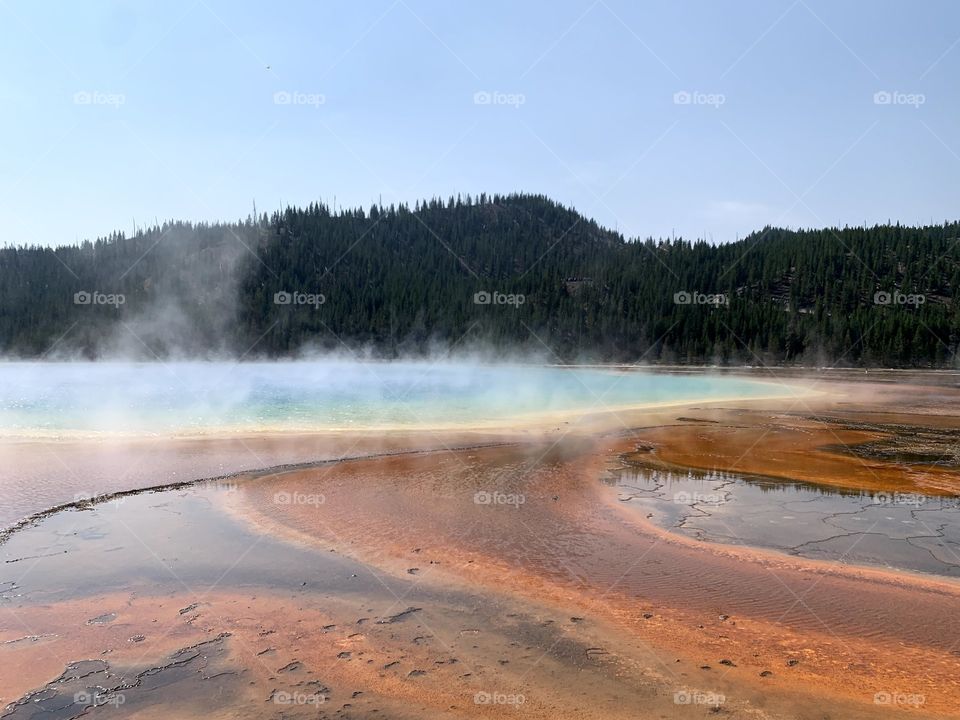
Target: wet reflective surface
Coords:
[(557, 574), (429, 585), (907, 531), (162, 604)]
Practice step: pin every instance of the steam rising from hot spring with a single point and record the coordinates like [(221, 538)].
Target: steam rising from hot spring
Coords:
[(52, 399)]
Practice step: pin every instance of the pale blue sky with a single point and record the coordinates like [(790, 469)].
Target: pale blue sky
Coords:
[(115, 111)]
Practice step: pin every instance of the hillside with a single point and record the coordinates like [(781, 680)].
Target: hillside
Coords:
[(401, 280)]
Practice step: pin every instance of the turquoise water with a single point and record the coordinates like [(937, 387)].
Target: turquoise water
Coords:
[(194, 397)]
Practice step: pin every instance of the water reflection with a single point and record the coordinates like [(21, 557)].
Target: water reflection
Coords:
[(907, 531)]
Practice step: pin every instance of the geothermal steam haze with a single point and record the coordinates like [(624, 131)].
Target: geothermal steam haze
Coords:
[(120, 398), (190, 302)]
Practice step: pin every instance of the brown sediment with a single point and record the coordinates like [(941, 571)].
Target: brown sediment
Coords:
[(435, 664), (42, 476), (317, 650), (522, 574), (764, 620), (797, 448), (446, 661), (310, 647), (898, 439)]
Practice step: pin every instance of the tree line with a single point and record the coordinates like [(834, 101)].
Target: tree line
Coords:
[(510, 273)]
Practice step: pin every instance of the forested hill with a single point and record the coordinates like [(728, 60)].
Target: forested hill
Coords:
[(516, 272)]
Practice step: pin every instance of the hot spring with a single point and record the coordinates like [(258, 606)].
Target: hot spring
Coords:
[(194, 398)]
